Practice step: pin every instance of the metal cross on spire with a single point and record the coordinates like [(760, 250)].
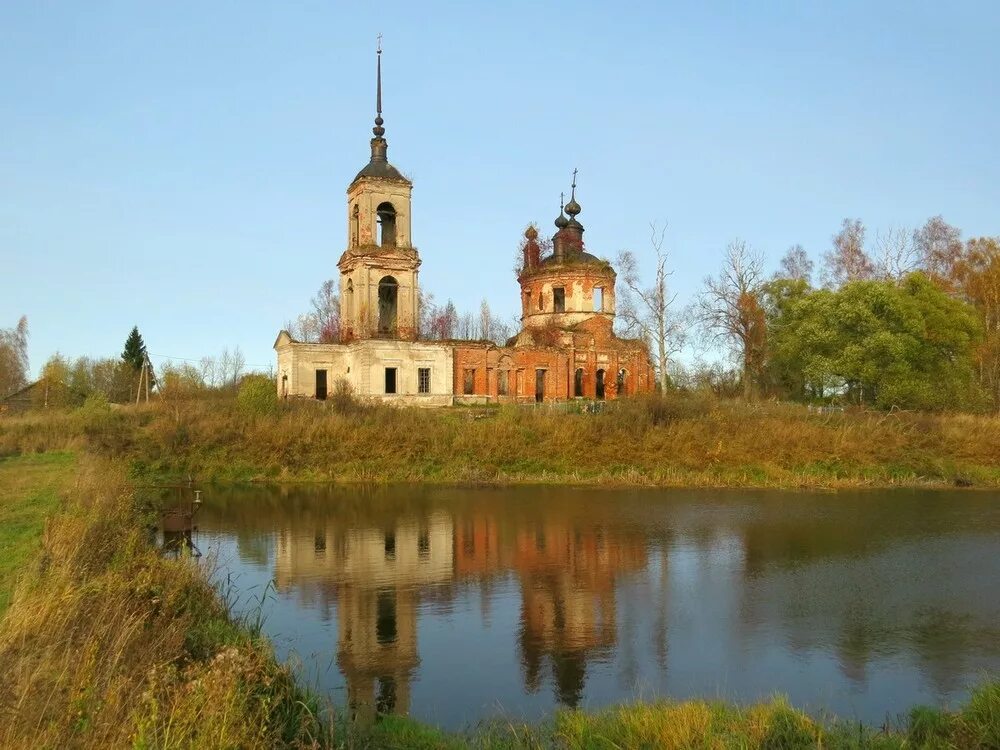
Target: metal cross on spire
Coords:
[(573, 195), (378, 130)]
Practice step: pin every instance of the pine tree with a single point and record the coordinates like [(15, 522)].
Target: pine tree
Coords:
[(135, 350), (135, 354)]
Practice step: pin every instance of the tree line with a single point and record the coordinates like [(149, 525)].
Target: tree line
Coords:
[(69, 382), (909, 320)]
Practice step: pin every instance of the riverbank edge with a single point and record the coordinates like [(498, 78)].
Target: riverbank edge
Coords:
[(970, 477), (222, 686)]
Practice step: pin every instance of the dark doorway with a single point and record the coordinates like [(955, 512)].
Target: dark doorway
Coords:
[(620, 383), (388, 293), (599, 389), (390, 379), (321, 385), (539, 385), (578, 383)]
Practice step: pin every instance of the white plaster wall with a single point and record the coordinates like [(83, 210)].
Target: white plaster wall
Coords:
[(363, 364)]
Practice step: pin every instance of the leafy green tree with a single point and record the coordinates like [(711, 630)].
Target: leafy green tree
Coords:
[(881, 343)]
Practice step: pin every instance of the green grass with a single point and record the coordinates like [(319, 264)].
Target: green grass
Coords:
[(29, 492)]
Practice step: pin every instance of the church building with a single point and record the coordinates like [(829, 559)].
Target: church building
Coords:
[(566, 348)]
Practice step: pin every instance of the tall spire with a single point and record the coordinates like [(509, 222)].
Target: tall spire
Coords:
[(378, 130)]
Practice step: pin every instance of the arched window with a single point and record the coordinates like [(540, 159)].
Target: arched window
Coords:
[(620, 382), (355, 216), (578, 383), (349, 300), (599, 386), (386, 224), (388, 292)]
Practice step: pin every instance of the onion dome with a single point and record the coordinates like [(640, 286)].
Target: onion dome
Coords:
[(573, 208), (531, 233), (561, 221)]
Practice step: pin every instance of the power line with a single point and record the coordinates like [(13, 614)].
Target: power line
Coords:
[(197, 361)]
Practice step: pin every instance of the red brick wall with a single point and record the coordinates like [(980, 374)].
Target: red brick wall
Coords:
[(560, 365)]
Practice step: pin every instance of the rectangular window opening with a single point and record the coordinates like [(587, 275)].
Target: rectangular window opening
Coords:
[(321, 385), (424, 543), (559, 299), (503, 382), (423, 380), (390, 379), (469, 382), (598, 299), (385, 617)]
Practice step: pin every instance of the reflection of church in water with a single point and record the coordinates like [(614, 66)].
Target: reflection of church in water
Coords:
[(379, 577)]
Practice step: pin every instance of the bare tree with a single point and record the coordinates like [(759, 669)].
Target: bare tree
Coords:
[(326, 310), (230, 367), (848, 261), (427, 312), (466, 326), (647, 312), (939, 246), (729, 309), (209, 370), (895, 254), (486, 328), (796, 264), (14, 357)]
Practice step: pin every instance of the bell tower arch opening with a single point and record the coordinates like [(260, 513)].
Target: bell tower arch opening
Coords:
[(386, 230), (388, 296)]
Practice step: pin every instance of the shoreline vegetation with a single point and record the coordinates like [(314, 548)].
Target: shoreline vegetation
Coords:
[(108, 644), (672, 440)]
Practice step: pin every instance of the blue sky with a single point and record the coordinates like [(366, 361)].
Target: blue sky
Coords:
[(182, 166)]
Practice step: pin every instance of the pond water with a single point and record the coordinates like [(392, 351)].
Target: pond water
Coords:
[(457, 604)]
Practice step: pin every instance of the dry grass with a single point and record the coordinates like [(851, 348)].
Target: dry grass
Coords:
[(677, 441), (106, 644)]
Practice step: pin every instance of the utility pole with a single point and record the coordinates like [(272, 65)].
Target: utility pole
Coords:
[(143, 380)]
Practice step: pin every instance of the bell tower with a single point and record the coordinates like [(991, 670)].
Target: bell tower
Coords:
[(378, 271)]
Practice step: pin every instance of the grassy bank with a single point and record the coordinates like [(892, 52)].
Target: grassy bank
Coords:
[(29, 492), (675, 441), (107, 644)]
